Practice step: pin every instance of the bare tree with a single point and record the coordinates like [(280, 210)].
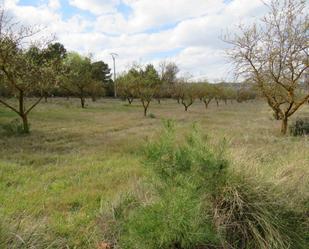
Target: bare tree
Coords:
[(274, 55), (187, 93), (168, 72), (206, 93)]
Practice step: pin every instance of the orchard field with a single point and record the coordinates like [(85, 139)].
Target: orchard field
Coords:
[(56, 181)]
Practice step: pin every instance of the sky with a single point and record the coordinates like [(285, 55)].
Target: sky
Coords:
[(186, 32)]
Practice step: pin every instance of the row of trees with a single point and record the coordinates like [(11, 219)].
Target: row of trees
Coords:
[(272, 56), (147, 84), (82, 78), (29, 68)]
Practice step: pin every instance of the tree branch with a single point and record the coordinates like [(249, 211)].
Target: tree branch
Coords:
[(34, 105), (9, 106)]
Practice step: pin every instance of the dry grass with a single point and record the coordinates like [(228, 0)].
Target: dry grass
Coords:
[(75, 160)]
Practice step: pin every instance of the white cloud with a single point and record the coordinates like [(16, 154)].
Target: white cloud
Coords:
[(96, 6), (194, 29), (54, 4)]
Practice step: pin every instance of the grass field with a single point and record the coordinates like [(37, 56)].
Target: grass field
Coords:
[(75, 160)]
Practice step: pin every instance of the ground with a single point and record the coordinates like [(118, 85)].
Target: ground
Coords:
[(76, 161)]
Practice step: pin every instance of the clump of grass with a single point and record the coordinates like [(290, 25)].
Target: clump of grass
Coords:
[(300, 127), (151, 115), (14, 127), (198, 202), (17, 233)]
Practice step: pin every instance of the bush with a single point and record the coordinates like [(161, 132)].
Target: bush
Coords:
[(151, 115), (300, 127), (15, 127), (196, 202)]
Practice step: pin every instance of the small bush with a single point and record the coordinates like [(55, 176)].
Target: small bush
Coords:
[(178, 216), (15, 127), (151, 115), (300, 127)]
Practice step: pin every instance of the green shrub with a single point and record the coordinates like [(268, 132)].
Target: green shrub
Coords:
[(197, 202), (178, 216), (15, 127), (300, 127), (151, 115)]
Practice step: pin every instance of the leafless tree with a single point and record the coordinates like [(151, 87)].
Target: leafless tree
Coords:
[(273, 54)]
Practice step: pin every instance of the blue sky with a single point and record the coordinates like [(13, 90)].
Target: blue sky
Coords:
[(144, 31)]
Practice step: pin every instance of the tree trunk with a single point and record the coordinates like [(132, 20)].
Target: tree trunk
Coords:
[(206, 104), (159, 101), (217, 101), (178, 100), (82, 102), (45, 97), (25, 123), (276, 115), (284, 125), (94, 98), (22, 112), (145, 105), (186, 108)]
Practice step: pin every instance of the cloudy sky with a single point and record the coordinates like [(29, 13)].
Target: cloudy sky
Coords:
[(184, 31)]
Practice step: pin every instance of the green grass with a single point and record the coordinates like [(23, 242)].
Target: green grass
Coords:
[(75, 160)]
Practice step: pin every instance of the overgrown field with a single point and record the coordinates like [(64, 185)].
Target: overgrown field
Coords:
[(56, 182)]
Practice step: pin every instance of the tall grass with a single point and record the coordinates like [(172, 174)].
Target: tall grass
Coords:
[(198, 202), (18, 233)]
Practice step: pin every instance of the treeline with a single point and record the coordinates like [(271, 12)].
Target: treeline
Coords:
[(148, 83), (65, 73), (30, 66)]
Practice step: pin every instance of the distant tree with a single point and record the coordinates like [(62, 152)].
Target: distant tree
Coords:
[(127, 85), (274, 56), (78, 76), (188, 93), (19, 68), (168, 72), (95, 89), (101, 73), (245, 93), (54, 54), (217, 91), (224, 92), (177, 91), (148, 83), (168, 77), (206, 93)]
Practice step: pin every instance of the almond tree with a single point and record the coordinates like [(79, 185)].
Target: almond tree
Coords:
[(274, 56), (127, 86), (148, 84), (19, 67), (206, 93), (187, 93), (78, 77)]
